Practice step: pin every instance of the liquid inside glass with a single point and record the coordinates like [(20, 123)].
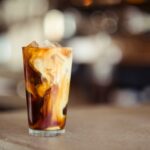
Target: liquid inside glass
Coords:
[(47, 77)]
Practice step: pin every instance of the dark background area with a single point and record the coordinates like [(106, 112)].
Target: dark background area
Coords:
[(110, 41)]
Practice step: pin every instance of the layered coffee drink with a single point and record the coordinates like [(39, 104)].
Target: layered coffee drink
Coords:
[(47, 72)]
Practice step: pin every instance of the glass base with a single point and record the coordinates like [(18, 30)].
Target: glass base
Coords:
[(46, 133)]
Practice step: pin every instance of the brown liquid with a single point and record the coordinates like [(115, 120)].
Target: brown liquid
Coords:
[(46, 100)]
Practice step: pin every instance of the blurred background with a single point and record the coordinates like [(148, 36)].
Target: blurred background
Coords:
[(110, 40)]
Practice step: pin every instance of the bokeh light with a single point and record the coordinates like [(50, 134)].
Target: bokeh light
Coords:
[(54, 25)]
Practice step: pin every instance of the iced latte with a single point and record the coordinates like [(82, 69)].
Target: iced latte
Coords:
[(47, 72)]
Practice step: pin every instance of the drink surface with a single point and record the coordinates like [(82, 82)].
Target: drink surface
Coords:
[(47, 78)]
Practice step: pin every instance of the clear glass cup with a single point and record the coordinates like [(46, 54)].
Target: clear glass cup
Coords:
[(47, 71)]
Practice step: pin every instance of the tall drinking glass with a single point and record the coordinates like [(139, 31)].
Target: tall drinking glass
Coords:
[(47, 71)]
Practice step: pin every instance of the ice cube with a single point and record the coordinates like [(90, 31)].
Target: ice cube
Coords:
[(57, 44), (33, 44), (38, 65), (47, 43)]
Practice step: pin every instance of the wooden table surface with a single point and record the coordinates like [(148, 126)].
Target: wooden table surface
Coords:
[(88, 128)]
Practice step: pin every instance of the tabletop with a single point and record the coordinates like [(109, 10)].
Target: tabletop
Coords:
[(88, 128)]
